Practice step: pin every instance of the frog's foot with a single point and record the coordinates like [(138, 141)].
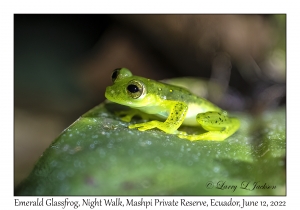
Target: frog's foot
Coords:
[(155, 124), (210, 136), (145, 126)]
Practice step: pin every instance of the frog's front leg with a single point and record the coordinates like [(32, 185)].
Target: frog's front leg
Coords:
[(176, 117), (218, 125)]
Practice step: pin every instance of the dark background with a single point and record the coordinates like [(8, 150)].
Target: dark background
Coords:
[(62, 64)]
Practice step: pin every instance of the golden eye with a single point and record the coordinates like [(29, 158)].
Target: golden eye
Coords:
[(136, 89)]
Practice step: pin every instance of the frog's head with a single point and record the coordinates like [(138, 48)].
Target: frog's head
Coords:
[(127, 89)]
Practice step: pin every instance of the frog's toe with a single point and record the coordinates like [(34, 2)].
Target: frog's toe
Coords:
[(143, 128), (182, 136), (126, 118), (188, 137), (134, 126), (181, 133)]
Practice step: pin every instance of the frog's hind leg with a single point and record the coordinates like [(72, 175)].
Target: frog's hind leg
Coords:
[(218, 125)]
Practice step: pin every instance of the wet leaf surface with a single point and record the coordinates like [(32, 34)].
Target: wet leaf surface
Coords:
[(99, 155)]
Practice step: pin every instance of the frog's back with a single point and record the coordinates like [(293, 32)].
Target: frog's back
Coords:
[(168, 92), (175, 93)]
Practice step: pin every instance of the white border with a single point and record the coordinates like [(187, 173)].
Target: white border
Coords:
[(8, 8)]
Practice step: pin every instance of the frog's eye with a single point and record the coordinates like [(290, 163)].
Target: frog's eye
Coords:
[(115, 74), (120, 73), (136, 89)]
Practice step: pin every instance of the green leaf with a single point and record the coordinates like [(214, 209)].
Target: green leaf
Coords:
[(99, 155)]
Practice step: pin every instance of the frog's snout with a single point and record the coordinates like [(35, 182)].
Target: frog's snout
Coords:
[(111, 94), (108, 92)]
